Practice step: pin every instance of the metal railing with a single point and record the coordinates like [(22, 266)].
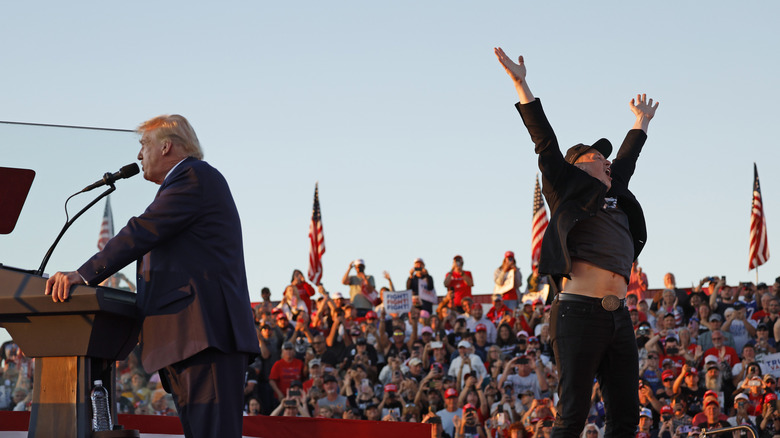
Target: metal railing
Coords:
[(743, 427)]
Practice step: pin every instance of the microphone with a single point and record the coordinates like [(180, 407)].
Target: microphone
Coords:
[(110, 178)]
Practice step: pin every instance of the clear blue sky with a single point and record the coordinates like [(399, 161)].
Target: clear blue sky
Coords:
[(402, 113)]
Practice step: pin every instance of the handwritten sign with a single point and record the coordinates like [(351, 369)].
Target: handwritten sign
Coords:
[(398, 301)]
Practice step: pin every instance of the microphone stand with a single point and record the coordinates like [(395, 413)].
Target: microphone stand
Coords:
[(39, 272)]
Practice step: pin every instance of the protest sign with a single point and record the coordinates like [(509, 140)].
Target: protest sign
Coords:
[(398, 301), (771, 363)]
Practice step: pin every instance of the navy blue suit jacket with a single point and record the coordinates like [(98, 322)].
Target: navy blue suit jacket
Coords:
[(192, 287)]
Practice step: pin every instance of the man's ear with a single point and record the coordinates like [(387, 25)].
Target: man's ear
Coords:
[(167, 147)]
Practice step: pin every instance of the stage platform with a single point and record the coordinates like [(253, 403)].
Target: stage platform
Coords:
[(14, 425)]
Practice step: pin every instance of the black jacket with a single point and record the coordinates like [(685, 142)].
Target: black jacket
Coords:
[(573, 195)]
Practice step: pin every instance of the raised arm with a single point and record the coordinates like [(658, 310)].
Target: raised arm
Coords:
[(516, 71), (644, 111), (345, 279)]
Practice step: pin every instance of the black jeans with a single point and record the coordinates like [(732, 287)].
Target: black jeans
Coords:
[(589, 342)]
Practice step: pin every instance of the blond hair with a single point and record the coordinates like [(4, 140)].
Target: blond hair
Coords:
[(175, 128)]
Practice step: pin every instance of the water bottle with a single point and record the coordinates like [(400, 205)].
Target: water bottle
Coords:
[(101, 412)]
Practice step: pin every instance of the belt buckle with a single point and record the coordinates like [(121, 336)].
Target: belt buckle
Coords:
[(610, 303)]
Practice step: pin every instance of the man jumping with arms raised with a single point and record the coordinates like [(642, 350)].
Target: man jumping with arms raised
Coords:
[(597, 229)]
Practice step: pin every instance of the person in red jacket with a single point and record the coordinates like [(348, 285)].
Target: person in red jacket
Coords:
[(498, 310)]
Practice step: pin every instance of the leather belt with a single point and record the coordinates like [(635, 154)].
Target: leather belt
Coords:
[(609, 303)]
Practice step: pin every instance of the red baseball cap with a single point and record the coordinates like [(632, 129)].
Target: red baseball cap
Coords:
[(509, 254), (450, 393), (480, 328), (468, 406), (666, 409), (770, 397), (390, 387), (370, 314), (667, 374)]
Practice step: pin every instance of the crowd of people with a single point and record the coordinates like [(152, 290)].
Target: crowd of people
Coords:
[(478, 370)]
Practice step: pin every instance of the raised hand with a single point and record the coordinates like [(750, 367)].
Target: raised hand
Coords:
[(641, 107), (515, 70)]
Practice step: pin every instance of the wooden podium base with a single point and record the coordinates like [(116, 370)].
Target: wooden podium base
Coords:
[(61, 397)]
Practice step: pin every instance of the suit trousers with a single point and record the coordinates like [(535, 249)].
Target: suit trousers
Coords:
[(589, 342), (208, 391)]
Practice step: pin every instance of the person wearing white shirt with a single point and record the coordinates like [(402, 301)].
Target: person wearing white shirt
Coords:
[(476, 316), (466, 363)]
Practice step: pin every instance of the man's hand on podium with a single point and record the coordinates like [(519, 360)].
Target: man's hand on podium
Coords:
[(58, 285)]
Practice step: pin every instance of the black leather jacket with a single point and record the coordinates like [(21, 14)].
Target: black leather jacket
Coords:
[(573, 195)]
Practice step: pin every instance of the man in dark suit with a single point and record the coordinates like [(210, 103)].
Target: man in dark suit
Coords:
[(198, 328)]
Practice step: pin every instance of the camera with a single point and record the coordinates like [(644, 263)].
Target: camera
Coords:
[(295, 393)]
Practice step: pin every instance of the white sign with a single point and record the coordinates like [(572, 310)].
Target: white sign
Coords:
[(530, 297), (398, 301), (428, 295), (509, 284), (772, 362)]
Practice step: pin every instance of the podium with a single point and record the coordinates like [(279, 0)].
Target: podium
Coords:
[(73, 343)]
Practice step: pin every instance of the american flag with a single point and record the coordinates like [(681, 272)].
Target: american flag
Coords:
[(539, 224), (316, 240), (759, 247), (107, 226)]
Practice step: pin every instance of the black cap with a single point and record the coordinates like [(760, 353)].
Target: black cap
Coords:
[(602, 145), (738, 305), (287, 346), (329, 378), (296, 384)]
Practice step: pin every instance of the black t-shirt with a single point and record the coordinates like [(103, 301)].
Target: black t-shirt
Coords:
[(395, 351), (370, 353), (693, 399), (252, 376), (604, 240), (334, 354)]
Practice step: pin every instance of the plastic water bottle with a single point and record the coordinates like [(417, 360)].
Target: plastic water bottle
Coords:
[(101, 412)]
